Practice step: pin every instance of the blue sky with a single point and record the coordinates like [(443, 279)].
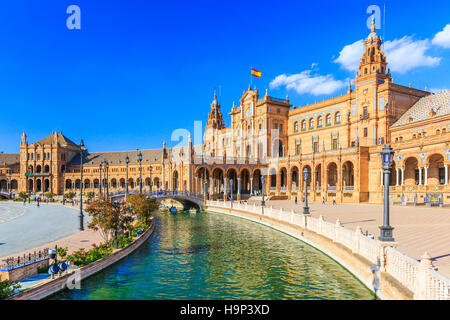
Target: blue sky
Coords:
[(137, 70)]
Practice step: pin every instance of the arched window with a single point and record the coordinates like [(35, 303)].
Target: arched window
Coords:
[(337, 118), (438, 132), (304, 125), (311, 123), (296, 126), (319, 122), (328, 120)]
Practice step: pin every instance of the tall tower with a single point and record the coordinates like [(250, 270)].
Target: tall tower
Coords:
[(373, 62), (215, 120)]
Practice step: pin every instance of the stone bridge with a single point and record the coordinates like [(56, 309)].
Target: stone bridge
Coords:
[(188, 199)]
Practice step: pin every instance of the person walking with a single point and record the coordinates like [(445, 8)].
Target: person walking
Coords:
[(334, 200), (323, 199), (295, 200), (24, 201), (38, 200)]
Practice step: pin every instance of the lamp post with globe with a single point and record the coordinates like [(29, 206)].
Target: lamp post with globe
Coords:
[(387, 154)]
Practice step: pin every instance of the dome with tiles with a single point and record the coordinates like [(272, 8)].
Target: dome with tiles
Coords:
[(431, 106)]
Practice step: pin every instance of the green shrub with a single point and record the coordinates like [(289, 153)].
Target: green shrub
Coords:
[(7, 288), (82, 257)]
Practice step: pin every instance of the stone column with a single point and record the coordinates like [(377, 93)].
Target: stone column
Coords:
[(211, 186), (397, 171), (420, 176), (251, 186), (425, 181), (225, 191), (403, 176), (278, 185), (446, 174)]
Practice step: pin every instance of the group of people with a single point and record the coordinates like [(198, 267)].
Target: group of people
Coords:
[(323, 200)]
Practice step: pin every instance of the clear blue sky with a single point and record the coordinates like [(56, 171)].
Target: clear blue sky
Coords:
[(137, 70)]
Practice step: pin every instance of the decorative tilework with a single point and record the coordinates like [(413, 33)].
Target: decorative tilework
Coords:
[(422, 156), (447, 151), (399, 158), (323, 113), (439, 103)]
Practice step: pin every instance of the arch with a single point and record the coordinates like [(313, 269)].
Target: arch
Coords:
[(14, 184), (46, 168), (46, 185), (294, 177), (3, 185), (96, 183), (131, 183), (303, 124), (328, 119), (175, 182), (318, 175), (77, 184), (68, 184), (38, 168), (218, 180), (337, 117), (319, 122), (30, 169), (273, 178), (231, 174), (245, 181), (283, 178), (311, 123), (348, 174), (307, 167), (296, 126), (30, 185), (114, 183), (332, 174), (156, 183), (436, 170), (38, 185), (411, 171), (121, 182), (148, 183), (87, 183), (257, 182)]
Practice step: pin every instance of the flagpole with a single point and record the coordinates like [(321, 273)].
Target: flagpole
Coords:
[(251, 76)]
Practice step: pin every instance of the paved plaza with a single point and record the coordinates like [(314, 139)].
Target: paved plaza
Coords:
[(26, 227), (416, 229)]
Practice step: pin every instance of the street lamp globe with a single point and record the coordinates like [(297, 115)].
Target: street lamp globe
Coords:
[(127, 160), (387, 155)]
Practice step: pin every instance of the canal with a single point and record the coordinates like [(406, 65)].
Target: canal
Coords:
[(215, 256)]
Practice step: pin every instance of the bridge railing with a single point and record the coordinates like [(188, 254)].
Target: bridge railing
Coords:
[(421, 277)]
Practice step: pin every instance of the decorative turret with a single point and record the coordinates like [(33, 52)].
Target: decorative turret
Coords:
[(373, 60), (24, 139), (215, 119)]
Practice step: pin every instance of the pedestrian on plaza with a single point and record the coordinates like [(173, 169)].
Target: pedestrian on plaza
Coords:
[(334, 200), (38, 199), (323, 199), (295, 200), (24, 201)]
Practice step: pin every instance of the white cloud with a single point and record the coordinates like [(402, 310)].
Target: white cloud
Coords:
[(402, 55), (307, 83), (350, 56), (442, 38), (405, 54)]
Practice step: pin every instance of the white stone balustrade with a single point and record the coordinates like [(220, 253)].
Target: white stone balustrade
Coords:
[(421, 277)]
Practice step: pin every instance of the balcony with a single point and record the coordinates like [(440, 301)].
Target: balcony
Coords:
[(364, 116)]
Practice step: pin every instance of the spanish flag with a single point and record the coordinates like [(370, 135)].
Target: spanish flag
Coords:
[(256, 73)]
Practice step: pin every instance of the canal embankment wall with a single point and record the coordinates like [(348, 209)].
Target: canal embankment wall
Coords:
[(70, 280), (378, 265)]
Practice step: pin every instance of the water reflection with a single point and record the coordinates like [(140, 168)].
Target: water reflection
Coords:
[(214, 256)]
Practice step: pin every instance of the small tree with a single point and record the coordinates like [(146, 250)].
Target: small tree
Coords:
[(23, 196), (49, 195), (142, 207), (107, 217), (90, 195), (69, 195)]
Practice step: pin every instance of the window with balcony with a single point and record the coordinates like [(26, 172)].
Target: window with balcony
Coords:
[(316, 147), (303, 125), (334, 144)]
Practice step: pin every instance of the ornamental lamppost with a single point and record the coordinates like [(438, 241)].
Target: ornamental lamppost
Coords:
[(305, 179), (204, 184), (151, 182), (263, 203), (100, 167), (116, 202), (9, 183), (127, 161), (140, 171), (387, 154), (107, 179), (64, 183), (81, 185), (231, 190)]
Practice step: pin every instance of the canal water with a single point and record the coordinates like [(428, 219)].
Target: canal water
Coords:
[(214, 256)]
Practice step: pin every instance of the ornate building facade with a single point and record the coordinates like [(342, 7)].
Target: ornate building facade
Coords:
[(337, 140)]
